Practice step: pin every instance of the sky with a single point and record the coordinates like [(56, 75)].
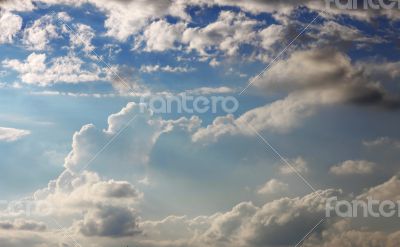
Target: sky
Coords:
[(196, 123)]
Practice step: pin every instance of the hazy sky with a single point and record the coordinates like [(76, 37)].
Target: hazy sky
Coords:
[(316, 90)]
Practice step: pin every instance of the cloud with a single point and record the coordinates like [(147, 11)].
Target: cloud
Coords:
[(270, 35), (11, 134), (381, 142), (108, 204), (68, 69), (297, 165), (308, 89), (168, 69), (336, 77), (17, 5), (160, 36), (131, 149), (82, 36), (353, 167), (211, 90), (343, 234), (126, 18), (10, 25), (388, 190), (227, 33), (277, 223), (108, 221), (273, 186), (70, 192), (39, 35), (22, 225)]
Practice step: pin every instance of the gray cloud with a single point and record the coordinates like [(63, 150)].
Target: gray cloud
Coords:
[(23, 225), (109, 221)]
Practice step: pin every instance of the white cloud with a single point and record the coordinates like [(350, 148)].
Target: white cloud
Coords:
[(125, 18), (10, 24), (297, 165), (353, 167), (211, 90), (214, 62), (227, 33), (64, 16), (388, 190), (270, 35), (285, 8), (22, 225), (308, 89), (160, 36), (277, 223), (109, 221), (82, 37), (382, 142), (133, 147), (168, 69), (69, 69), (17, 5), (39, 35), (273, 186), (11, 134)]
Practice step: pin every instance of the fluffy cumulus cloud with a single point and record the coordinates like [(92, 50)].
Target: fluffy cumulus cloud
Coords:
[(17, 5), (36, 69), (107, 221), (102, 211), (10, 25), (81, 36), (40, 33), (353, 167), (281, 222), (227, 34), (297, 165), (277, 223), (388, 190), (140, 132), (273, 186), (125, 18), (11, 134), (160, 36)]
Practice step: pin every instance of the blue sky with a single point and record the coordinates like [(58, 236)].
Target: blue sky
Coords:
[(78, 132)]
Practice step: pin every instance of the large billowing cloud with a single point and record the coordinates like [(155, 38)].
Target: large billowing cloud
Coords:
[(103, 211)]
